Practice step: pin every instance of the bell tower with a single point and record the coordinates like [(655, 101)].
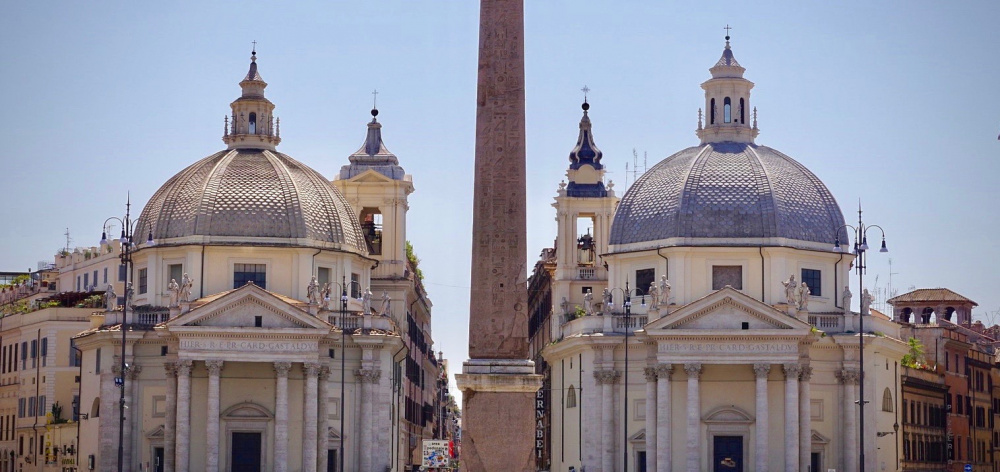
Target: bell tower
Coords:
[(252, 124), (584, 210), (727, 113)]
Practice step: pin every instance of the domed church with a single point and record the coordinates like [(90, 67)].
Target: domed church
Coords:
[(270, 317), (703, 321)]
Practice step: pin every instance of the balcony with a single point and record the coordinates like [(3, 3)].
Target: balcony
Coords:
[(616, 323)]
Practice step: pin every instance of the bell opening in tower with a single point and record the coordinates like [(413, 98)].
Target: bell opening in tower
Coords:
[(727, 110), (253, 123), (585, 242), (371, 226)]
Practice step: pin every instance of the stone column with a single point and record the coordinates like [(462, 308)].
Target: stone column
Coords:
[(132, 414), (761, 453), (693, 449), (183, 442), (849, 378), (367, 377), (805, 418), (310, 412), (281, 416), (607, 379), (792, 371), (651, 430), (212, 421), (169, 424), (323, 434), (663, 426)]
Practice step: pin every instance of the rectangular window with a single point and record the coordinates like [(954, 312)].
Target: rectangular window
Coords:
[(86, 281), (20, 408), (122, 272), (812, 278), (355, 286), (105, 275), (31, 407), (97, 361), (41, 406), (246, 273), (175, 272), (95, 279), (143, 279), (78, 284), (643, 279), (24, 355), (727, 275), (323, 275), (45, 350)]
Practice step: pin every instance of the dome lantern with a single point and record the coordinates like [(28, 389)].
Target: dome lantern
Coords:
[(727, 103), (252, 123)]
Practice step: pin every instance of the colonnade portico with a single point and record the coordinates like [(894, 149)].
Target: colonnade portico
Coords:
[(178, 402)]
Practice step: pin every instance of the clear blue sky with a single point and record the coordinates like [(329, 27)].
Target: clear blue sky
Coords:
[(894, 103)]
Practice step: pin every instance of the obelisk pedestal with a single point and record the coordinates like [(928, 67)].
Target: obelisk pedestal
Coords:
[(498, 382)]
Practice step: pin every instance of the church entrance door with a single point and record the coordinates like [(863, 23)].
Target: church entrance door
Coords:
[(728, 454), (246, 452), (158, 459)]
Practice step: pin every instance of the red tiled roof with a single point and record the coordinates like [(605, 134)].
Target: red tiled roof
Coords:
[(930, 295)]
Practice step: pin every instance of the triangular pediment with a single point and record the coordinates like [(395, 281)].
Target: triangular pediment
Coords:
[(155, 433), (370, 176), (240, 309), (727, 310)]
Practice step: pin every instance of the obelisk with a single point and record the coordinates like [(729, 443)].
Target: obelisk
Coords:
[(498, 382)]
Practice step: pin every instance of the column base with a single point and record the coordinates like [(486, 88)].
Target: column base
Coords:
[(498, 414)]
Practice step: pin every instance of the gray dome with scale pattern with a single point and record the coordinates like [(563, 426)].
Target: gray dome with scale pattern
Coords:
[(749, 194), (248, 197)]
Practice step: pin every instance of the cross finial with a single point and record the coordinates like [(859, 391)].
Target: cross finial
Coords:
[(585, 91), (374, 98), (254, 50), (727, 28)]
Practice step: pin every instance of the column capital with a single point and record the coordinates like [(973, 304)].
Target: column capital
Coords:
[(369, 375), (650, 373), (170, 368), (282, 368), (312, 368), (606, 377), (848, 376), (214, 367), (806, 374), (693, 369), (792, 370), (664, 371), (324, 372), (134, 371), (184, 368), (761, 370)]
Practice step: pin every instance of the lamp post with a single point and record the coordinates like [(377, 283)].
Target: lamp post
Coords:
[(627, 309), (860, 267), (343, 364), (128, 249)]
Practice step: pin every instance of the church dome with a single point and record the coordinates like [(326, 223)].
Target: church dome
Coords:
[(252, 196), (728, 191), (738, 191)]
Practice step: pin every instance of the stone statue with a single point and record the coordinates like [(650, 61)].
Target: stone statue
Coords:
[(654, 295), (384, 310), (846, 298), (174, 291), (664, 290), (866, 302), (564, 305), (366, 301), (129, 292), (312, 292), (110, 298), (804, 295), (186, 284), (607, 303), (790, 289), (588, 303)]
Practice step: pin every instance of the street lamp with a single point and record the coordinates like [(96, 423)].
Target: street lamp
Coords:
[(128, 248), (860, 267), (627, 308), (343, 363)]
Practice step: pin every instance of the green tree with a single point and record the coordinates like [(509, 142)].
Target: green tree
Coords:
[(916, 355)]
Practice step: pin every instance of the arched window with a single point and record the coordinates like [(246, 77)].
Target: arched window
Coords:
[(906, 314), (887, 400), (95, 409), (948, 312), (727, 110), (371, 224), (925, 318), (742, 113), (571, 397), (253, 123), (711, 113)]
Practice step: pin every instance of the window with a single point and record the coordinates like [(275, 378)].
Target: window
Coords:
[(253, 123), (742, 113), (97, 361), (122, 272), (711, 112), (86, 281), (249, 273), (164, 350), (143, 279), (105, 275), (175, 272), (812, 278), (95, 280), (727, 110), (31, 406), (41, 406), (34, 353), (371, 226), (643, 279), (355, 285), (323, 275), (727, 275), (571, 397), (258, 321), (45, 350), (78, 283)]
